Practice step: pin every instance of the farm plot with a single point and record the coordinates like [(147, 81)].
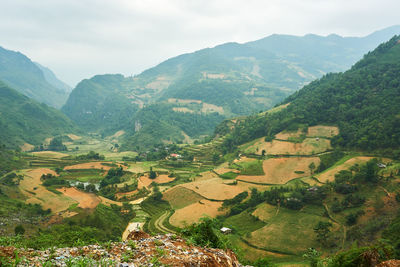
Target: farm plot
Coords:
[(286, 135), (192, 213), (145, 181), (329, 175), (322, 131), (85, 200), (50, 154), (282, 170), (309, 146), (31, 186), (91, 165), (180, 197), (214, 188)]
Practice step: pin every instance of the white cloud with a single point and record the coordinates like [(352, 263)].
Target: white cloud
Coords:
[(80, 38)]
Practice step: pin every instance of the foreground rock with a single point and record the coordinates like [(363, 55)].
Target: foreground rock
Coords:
[(139, 250)]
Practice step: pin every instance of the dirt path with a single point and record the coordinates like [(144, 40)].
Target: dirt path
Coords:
[(159, 223)]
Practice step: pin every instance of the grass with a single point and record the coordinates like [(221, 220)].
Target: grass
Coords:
[(229, 175), (244, 223), (181, 197), (251, 167), (83, 175)]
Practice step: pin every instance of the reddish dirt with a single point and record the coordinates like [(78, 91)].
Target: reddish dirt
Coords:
[(85, 200)]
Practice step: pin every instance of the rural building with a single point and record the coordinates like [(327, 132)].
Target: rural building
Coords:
[(381, 165), (177, 156), (226, 230)]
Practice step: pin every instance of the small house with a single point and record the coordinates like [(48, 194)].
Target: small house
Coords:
[(226, 230)]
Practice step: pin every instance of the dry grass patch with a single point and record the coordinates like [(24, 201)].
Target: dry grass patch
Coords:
[(329, 175), (31, 186), (282, 170), (207, 108), (182, 109), (180, 197), (285, 135), (309, 146), (214, 188), (90, 165), (85, 200), (265, 212), (27, 147), (74, 137), (50, 154), (108, 202), (192, 213), (322, 131)]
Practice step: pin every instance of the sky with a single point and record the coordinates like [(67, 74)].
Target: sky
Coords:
[(78, 39)]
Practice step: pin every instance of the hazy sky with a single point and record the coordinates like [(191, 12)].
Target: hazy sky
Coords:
[(80, 38)]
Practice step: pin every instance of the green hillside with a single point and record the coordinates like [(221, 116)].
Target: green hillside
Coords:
[(24, 120), (231, 79), (19, 72), (362, 101)]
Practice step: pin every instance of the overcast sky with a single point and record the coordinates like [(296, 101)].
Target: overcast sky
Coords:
[(81, 38)]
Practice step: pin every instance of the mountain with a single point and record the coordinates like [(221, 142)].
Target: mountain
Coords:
[(52, 79), (231, 79), (24, 120), (39, 83), (362, 102)]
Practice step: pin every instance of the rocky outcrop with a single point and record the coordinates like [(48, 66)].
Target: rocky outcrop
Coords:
[(139, 250)]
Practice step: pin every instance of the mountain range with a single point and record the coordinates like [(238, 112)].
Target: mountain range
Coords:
[(228, 80)]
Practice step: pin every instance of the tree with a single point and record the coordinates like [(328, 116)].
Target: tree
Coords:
[(19, 230), (263, 152), (312, 167), (152, 174), (323, 232)]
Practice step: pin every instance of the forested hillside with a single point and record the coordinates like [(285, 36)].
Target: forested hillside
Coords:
[(24, 120), (362, 101), (25, 76)]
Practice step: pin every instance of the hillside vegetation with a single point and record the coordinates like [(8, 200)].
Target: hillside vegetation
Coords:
[(362, 102), (24, 120), (31, 79)]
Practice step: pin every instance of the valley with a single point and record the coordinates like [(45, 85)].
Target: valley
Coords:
[(218, 147)]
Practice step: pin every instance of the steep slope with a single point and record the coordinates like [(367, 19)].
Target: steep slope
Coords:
[(19, 72), (362, 101), (99, 104), (23, 120), (52, 79)]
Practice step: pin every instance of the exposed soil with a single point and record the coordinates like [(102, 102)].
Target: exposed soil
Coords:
[(85, 200)]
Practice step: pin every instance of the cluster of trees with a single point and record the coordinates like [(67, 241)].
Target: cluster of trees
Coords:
[(49, 180), (91, 156)]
